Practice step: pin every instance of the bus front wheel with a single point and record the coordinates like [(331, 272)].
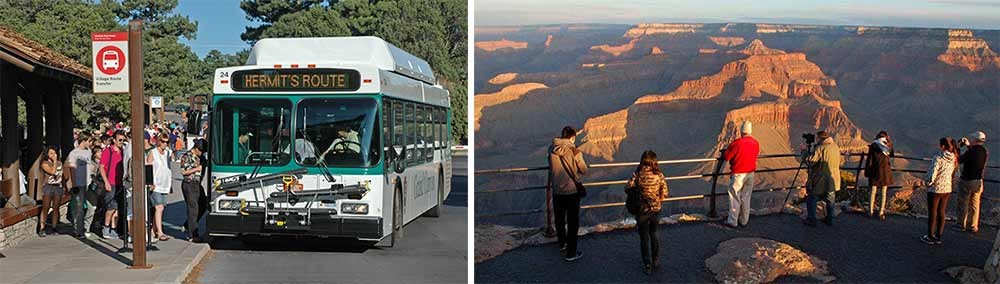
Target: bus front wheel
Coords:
[(397, 219), (436, 211)]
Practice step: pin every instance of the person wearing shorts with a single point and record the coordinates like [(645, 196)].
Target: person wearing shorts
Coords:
[(159, 157), (52, 191), (111, 171)]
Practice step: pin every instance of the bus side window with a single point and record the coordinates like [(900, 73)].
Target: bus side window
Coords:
[(398, 129), (411, 133), (439, 129), (428, 133), (386, 129)]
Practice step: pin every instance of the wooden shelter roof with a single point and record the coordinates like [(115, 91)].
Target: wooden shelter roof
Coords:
[(16, 47)]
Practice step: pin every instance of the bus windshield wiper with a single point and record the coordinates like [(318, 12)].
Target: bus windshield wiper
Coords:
[(326, 171)]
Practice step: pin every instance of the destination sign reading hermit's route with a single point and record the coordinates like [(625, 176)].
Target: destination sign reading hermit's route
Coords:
[(296, 79)]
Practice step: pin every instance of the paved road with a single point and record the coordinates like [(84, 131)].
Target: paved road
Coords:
[(433, 250), (857, 249)]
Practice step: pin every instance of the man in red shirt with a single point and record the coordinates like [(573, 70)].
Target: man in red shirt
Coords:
[(111, 172), (742, 156)]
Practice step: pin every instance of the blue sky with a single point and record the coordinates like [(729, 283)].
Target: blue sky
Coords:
[(974, 14), (220, 23)]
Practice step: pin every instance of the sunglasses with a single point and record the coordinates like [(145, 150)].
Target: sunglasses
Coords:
[(165, 141), (120, 140)]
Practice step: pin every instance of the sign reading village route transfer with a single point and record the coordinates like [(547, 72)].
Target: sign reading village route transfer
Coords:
[(311, 79), (110, 65)]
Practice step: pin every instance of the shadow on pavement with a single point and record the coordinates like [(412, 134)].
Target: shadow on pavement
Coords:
[(857, 249), (291, 243), (459, 195)]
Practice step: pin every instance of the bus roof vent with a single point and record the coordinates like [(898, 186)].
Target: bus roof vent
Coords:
[(334, 50)]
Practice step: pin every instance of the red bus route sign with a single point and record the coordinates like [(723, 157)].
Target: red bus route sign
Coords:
[(110, 65)]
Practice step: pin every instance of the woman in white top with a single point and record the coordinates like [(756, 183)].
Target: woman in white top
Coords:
[(159, 157), (938, 183)]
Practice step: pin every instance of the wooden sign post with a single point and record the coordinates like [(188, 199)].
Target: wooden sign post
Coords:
[(138, 173)]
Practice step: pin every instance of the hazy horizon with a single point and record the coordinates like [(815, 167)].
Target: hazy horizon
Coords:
[(966, 14)]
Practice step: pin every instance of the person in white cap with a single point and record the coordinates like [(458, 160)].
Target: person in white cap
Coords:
[(970, 184), (742, 156)]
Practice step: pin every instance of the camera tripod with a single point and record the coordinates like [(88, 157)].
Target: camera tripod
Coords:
[(802, 162)]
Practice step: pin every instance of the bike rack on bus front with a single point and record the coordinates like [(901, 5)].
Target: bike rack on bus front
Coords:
[(283, 216)]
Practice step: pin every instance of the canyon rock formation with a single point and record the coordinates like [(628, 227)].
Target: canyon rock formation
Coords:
[(683, 89)]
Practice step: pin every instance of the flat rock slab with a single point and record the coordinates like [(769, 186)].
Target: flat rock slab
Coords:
[(758, 260)]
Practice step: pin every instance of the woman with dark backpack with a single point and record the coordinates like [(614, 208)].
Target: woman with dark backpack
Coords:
[(649, 185), (879, 171)]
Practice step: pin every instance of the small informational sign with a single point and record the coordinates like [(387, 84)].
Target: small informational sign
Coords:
[(110, 65), (312, 79), (156, 102)]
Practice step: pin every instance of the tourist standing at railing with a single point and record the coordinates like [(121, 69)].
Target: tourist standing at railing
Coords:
[(970, 185), (652, 187), (938, 182), (52, 191), (742, 156), (79, 164), (566, 166), (879, 171), (824, 177)]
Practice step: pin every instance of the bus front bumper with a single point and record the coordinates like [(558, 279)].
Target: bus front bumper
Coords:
[(318, 224)]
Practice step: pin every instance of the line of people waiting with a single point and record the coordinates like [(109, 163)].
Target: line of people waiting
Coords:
[(96, 175), (822, 160)]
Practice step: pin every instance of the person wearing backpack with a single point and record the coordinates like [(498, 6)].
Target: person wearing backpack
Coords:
[(646, 189), (566, 166)]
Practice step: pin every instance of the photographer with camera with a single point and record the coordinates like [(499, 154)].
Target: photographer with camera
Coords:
[(742, 156), (823, 167), (970, 185)]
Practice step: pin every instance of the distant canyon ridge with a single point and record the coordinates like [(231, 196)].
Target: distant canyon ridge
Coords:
[(682, 90)]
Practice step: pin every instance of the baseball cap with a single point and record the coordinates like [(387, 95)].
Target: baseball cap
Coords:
[(978, 135)]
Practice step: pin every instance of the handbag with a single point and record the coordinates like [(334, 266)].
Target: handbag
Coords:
[(633, 198), (581, 191)]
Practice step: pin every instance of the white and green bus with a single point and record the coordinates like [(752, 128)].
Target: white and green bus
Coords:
[(330, 137)]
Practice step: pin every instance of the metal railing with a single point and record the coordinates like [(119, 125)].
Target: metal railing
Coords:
[(712, 194)]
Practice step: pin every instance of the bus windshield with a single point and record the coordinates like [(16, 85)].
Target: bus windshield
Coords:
[(337, 132), (251, 131)]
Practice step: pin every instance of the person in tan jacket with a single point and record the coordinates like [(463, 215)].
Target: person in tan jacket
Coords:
[(566, 167), (824, 177), (652, 187)]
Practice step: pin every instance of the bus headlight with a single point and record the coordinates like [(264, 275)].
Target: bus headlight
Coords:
[(354, 208), (230, 204)]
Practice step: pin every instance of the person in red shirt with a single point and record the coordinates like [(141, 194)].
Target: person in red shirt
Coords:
[(742, 156), (111, 172)]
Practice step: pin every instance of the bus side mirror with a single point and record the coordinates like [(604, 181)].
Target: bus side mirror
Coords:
[(399, 161)]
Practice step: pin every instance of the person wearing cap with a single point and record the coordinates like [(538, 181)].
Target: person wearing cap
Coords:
[(742, 156), (970, 184), (823, 166)]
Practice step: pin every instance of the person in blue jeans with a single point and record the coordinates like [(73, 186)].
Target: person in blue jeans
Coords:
[(80, 165), (824, 177)]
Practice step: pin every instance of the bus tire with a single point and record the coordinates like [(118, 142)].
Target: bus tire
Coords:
[(397, 219), (436, 210), (397, 215)]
